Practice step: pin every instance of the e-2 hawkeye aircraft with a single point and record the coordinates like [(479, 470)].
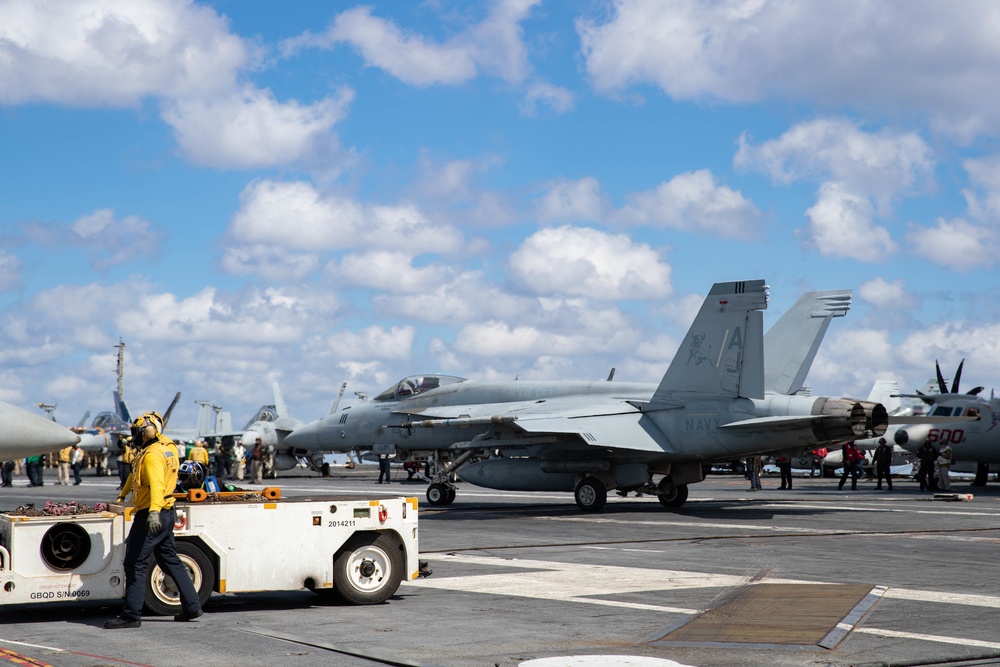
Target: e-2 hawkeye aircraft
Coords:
[(975, 439), (590, 437)]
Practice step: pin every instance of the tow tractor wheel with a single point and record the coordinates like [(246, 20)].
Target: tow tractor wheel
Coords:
[(440, 494), (368, 570), (672, 495), (162, 596), (591, 494)]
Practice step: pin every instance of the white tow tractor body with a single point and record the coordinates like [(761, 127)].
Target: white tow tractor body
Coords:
[(357, 548)]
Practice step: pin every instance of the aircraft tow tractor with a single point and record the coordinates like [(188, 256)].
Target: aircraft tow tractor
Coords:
[(355, 548)]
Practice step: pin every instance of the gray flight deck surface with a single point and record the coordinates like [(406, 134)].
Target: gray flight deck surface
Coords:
[(520, 576)]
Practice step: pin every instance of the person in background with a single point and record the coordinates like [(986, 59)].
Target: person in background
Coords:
[(199, 454), (944, 461), (852, 458), (883, 459), (383, 468), (257, 462), (785, 468), (925, 473), (239, 461), (754, 465), (62, 472), (33, 465), (76, 463), (7, 472)]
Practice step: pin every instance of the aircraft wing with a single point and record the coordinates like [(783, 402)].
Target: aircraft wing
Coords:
[(611, 423)]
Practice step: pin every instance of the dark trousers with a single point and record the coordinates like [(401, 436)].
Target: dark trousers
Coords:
[(34, 470), (76, 472), (124, 470), (383, 470), (852, 470), (925, 476), (8, 477), (786, 474), (882, 470), (141, 545)]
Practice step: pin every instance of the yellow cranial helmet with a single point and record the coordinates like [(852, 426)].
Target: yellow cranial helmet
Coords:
[(141, 426)]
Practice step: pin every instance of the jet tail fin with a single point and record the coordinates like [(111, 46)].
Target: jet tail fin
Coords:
[(83, 420), (723, 351), (121, 407), (792, 342), (886, 392), (279, 402)]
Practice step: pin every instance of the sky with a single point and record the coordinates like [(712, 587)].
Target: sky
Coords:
[(313, 193)]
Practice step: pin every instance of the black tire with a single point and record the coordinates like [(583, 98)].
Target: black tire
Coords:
[(368, 570), (452, 494), (591, 495), (437, 494), (325, 469), (673, 495), (162, 597)]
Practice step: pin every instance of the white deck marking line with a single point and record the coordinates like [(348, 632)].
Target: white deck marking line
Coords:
[(45, 648), (961, 641), (588, 583), (697, 524), (854, 508)]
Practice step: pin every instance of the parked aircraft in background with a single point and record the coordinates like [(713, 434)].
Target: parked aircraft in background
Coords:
[(975, 440), (590, 437), (25, 434), (271, 424)]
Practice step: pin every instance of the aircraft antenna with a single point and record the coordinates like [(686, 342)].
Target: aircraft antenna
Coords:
[(121, 367)]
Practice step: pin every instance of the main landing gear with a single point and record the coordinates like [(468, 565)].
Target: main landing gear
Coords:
[(591, 494), (441, 493)]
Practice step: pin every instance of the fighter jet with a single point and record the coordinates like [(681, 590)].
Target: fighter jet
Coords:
[(591, 437), (272, 424), (976, 439), (25, 434)]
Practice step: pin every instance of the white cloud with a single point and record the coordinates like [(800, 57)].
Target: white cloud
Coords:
[(388, 271), (580, 200), (693, 201), (541, 94), (840, 224), (586, 262), (452, 191), (267, 261), (114, 52), (494, 46), (10, 271), (881, 165), (250, 129), (295, 216), (983, 198), (885, 295), (111, 242), (373, 342), (917, 57), (955, 244)]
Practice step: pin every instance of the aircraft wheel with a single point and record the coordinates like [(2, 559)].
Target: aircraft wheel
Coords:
[(162, 596), (672, 495), (368, 570), (437, 494), (452, 493), (591, 495)]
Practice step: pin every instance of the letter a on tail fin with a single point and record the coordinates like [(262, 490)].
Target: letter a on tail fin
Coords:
[(723, 351)]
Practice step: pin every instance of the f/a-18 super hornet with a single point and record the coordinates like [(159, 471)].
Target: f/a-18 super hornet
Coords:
[(590, 437)]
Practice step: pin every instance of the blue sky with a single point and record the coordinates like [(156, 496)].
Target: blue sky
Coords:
[(317, 193)]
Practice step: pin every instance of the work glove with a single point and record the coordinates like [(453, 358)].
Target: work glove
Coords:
[(120, 500), (153, 524)]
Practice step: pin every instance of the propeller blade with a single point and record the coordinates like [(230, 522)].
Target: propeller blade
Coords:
[(940, 378), (975, 391), (166, 415), (958, 377)]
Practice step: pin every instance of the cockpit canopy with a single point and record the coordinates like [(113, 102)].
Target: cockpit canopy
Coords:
[(416, 384), (267, 413), (959, 411)]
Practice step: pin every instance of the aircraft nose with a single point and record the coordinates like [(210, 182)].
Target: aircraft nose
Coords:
[(25, 434), (249, 439), (304, 437)]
